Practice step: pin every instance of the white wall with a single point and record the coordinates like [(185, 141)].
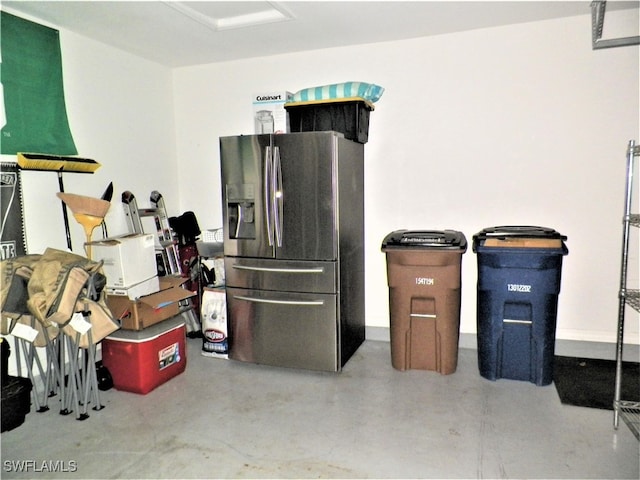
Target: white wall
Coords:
[(523, 124)]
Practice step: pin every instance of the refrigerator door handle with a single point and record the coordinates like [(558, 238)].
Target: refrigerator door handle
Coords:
[(277, 196), (268, 173), (280, 270), (280, 302)]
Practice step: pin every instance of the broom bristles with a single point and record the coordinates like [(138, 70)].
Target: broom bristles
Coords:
[(56, 163)]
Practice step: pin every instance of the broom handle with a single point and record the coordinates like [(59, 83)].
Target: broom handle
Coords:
[(64, 212)]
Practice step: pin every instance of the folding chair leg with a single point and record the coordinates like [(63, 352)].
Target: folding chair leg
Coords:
[(28, 360), (94, 375), (74, 351), (63, 376)]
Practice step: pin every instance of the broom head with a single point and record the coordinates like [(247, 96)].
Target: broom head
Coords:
[(56, 163)]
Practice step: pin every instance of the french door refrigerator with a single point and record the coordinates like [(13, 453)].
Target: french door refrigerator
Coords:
[(293, 211)]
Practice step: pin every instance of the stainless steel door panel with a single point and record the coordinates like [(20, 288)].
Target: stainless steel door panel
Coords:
[(308, 200), (243, 195), (297, 330), (289, 276)]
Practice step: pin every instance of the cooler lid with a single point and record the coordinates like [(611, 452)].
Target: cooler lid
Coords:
[(149, 333), (427, 239)]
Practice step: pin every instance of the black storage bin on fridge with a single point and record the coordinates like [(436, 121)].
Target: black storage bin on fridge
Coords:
[(349, 116), (519, 271)]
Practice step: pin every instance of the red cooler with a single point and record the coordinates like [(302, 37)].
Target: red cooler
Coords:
[(140, 361)]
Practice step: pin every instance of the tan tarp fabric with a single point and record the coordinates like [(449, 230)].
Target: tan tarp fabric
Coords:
[(56, 286)]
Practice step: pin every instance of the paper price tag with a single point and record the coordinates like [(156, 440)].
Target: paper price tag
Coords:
[(24, 331), (79, 324)]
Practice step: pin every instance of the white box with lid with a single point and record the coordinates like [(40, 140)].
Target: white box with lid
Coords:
[(128, 259)]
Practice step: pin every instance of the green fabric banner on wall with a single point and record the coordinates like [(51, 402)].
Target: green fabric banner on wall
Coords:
[(31, 75)]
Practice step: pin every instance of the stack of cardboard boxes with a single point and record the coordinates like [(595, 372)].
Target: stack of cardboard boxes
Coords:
[(150, 347)]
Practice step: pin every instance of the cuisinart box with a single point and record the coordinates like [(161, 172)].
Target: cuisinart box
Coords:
[(269, 114), (141, 361), (128, 259)]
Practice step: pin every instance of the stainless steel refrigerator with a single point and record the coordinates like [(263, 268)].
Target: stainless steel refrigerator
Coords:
[(293, 209)]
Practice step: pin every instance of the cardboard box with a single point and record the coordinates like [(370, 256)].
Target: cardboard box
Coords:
[(150, 309), (518, 242), (149, 286), (269, 114), (128, 259), (141, 361)]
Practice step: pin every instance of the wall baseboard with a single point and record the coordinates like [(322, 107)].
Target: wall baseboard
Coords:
[(567, 348)]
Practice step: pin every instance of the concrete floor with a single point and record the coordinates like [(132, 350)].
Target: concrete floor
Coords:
[(224, 419)]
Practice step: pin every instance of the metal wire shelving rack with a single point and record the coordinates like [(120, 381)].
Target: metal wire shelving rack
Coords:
[(628, 411)]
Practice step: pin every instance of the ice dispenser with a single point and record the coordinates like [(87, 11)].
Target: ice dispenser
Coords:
[(241, 211)]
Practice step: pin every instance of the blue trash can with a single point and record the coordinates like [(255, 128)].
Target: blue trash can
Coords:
[(519, 270)]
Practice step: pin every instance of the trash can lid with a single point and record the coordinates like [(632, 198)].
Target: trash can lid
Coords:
[(530, 231), (440, 239), (522, 236)]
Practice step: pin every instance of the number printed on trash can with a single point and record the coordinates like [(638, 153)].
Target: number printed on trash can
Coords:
[(425, 281), (515, 287)]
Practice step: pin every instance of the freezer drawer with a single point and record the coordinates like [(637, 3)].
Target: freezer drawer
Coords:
[(279, 275), (298, 330)]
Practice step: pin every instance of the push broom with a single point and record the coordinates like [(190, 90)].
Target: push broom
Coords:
[(58, 164)]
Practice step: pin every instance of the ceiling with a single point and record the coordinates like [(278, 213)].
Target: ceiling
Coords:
[(186, 33)]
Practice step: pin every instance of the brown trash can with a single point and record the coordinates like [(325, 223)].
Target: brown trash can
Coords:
[(424, 278)]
